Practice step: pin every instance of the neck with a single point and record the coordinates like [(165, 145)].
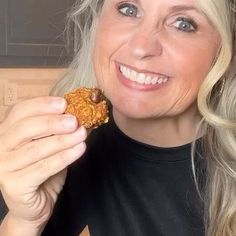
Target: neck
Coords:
[(161, 132)]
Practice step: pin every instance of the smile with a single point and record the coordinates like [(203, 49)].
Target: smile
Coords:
[(142, 78)]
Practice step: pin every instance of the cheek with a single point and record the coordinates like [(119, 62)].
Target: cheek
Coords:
[(196, 58), (107, 33), (108, 41), (104, 44), (111, 34), (192, 63)]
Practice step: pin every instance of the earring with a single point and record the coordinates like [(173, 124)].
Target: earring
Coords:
[(222, 85)]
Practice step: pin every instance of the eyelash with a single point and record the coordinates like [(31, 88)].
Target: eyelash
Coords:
[(190, 21), (123, 5)]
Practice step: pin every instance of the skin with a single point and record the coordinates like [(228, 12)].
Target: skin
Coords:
[(33, 161), (151, 40)]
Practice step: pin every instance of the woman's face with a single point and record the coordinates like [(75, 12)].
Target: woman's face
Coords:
[(151, 56)]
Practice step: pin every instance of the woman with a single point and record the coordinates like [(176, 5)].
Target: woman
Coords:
[(167, 68)]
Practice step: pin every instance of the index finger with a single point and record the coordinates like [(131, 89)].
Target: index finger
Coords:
[(34, 107)]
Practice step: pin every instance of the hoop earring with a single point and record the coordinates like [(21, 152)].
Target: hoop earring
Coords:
[(222, 86)]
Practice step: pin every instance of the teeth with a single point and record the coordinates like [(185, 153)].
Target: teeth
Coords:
[(148, 80), (165, 80), (133, 75), (141, 78), (159, 81), (154, 80)]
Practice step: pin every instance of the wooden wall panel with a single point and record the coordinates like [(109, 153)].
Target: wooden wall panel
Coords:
[(20, 84)]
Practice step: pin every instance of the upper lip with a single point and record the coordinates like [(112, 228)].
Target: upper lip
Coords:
[(144, 71)]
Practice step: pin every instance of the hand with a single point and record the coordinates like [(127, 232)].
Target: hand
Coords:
[(37, 143)]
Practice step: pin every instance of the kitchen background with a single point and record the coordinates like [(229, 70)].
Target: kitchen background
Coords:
[(33, 48)]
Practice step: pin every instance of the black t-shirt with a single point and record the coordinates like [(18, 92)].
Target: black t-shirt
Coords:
[(122, 187)]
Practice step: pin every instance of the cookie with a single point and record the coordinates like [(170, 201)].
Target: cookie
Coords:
[(88, 105)]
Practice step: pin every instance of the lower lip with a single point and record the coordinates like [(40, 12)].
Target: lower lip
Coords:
[(134, 85)]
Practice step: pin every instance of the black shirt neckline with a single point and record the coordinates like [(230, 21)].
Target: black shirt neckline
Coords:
[(148, 152)]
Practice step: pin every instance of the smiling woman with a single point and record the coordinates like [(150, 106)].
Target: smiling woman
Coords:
[(154, 60), (153, 43), (165, 162)]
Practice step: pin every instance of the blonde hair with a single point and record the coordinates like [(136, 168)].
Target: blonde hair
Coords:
[(219, 119), (218, 110), (81, 27)]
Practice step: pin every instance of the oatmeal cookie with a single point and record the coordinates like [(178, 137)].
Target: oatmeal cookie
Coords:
[(88, 105)]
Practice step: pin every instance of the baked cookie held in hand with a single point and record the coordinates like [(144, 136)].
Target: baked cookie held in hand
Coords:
[(88, 105)]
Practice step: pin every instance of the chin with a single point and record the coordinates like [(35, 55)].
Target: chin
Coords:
[(133, 112)]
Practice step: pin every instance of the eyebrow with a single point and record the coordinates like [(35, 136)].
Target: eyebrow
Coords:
[(184, 7), (189, 8)]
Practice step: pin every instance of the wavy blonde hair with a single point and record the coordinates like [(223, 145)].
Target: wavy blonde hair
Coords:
[(81, 26), (216, 104)]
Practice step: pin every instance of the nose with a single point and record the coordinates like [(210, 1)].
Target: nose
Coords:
[(145, 43)]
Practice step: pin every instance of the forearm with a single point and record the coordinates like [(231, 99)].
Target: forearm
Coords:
[(13, 227)]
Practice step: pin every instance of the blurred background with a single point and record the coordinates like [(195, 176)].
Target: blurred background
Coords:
[(34, 51)]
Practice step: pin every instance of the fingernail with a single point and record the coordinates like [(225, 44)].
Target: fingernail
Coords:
[(80, 132), (58, 103), (79, 148), (69, 121)]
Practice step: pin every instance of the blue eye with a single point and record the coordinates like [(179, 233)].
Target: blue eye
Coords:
[(128, 9), (185, 25)]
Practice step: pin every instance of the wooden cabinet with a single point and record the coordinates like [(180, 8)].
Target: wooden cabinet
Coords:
[(18, 84), (31, 33)]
